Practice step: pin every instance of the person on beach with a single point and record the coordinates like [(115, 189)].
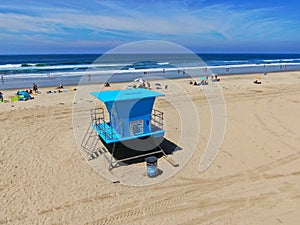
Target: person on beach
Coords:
[(60, 86), (1, 96), (257, 80), (203, 82), (214, 78), (148, 85), (2, 79), (34, 87)]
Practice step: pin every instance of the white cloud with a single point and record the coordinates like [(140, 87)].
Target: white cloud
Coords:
[(211, 21), (18, 23)]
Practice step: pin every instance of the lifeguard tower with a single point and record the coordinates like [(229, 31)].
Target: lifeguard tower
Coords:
[(131, 117)]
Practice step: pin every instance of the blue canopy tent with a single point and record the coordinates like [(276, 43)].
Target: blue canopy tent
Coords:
[(131, 117), (23, 95)]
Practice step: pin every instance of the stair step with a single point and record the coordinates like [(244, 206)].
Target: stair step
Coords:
[(95, 155), (91, 138)]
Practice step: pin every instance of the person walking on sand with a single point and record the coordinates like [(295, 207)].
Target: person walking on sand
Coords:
[(34, 87), (1, 96)]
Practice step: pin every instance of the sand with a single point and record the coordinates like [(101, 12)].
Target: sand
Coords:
[(254, 178)]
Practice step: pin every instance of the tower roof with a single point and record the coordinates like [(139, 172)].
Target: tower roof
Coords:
[(125, 95)]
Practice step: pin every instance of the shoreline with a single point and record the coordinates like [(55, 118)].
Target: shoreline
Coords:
[(159, 79), (228, 83), (21, 71), (266, 80)]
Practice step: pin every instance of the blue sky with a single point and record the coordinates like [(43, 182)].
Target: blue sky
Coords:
[(94, 26)]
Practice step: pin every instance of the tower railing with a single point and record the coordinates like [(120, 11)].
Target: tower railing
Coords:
[(98, 120), (157, 119)]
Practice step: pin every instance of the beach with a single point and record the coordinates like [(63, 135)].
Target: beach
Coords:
[(254, 179)]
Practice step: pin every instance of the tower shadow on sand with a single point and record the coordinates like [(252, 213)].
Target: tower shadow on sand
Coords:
[(121, 151)]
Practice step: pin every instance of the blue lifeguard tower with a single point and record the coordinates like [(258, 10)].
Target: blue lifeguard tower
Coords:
[(131, 117)]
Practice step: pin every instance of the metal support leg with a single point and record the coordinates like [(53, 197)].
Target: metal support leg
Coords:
[(112, 157)]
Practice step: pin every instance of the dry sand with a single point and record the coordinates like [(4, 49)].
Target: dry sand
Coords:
[(255, 178)]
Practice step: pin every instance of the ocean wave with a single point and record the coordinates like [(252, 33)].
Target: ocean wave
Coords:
[(8, 66), (222, 62), (26, 72), (35, 67), (163, 63), (280, 60), (42, 66)]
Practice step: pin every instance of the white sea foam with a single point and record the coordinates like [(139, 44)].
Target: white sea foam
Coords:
[(37, 66), (8, 66), (96, 69), (229, 61), (280, 60), (163, 63)]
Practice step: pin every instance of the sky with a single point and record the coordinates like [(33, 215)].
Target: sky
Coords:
[(96, 26)]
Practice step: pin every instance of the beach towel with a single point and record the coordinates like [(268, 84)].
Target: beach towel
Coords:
[(14, 98)]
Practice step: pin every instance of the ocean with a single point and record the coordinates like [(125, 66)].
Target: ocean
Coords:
[(20, 71)]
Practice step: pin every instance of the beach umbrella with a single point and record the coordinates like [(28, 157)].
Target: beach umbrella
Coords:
[(141, 80)]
